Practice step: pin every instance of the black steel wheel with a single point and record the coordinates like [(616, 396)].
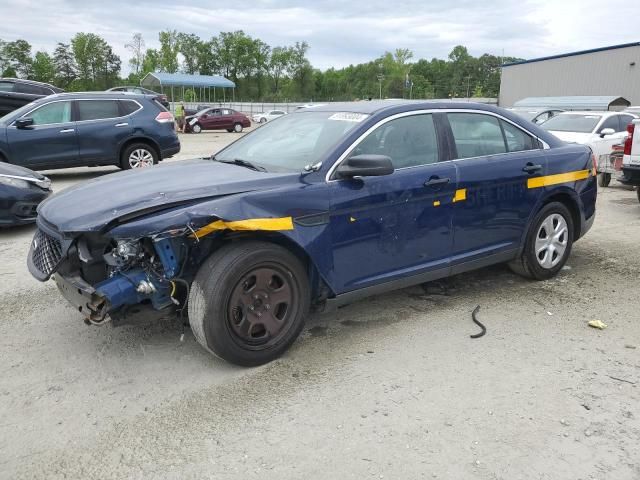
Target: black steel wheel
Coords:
[(248, 302)]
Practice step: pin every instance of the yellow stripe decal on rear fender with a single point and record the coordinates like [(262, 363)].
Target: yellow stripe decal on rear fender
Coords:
[(461, 195), (251, 224), (547, 180)]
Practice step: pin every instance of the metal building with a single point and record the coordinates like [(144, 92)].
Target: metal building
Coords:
[(611, 70)]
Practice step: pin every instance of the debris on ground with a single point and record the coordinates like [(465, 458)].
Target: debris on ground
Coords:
[(477, 322), (599, 324)]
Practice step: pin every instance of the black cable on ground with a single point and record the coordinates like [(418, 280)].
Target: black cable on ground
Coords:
[(477, 322)]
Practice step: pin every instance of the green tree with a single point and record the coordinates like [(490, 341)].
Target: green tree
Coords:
[(64, 64), (17, 55), (169, 51), (188, 45), (44, 69), (279, 64), (151, 62)]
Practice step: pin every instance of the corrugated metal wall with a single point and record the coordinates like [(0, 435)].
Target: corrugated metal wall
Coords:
[(607, 72)]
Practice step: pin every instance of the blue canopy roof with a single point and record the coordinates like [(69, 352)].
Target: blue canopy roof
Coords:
[(184, 80)]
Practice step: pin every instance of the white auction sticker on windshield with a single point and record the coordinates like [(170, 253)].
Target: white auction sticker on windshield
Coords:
[(348, 116)]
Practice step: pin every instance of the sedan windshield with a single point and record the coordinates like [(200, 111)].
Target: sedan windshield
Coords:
[(292, 142), (572, 122)]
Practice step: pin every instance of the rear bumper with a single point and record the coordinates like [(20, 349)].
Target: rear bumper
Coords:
[(171, 150), (630, 175)]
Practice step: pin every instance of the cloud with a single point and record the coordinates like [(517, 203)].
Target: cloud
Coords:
[(339, 33)]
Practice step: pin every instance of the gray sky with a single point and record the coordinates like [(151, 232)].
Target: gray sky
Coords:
[(339, 32)]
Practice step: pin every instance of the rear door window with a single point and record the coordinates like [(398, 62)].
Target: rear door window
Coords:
[(476, 135), (97, 109), (51, 113)]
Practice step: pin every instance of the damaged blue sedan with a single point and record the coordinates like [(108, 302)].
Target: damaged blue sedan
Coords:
[(315, 210)]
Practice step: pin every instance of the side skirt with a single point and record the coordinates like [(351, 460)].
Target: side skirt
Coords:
[(332, 304)]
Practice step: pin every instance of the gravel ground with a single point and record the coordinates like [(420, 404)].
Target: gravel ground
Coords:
[(390, 387)]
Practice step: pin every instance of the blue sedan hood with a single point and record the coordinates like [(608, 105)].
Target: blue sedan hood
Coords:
[(92, 205)]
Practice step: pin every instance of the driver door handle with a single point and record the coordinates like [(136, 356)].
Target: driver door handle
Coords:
[(68, 130), (121, 124), (531, 168), (435, 181)]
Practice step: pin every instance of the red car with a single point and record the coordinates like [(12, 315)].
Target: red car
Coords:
[(217, 119)]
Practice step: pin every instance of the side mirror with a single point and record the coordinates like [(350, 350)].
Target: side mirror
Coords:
[(606, 131), (365, 166), (24, 122), (204, 115)]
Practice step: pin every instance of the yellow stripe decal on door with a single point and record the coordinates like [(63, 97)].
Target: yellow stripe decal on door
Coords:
[(547, 180)]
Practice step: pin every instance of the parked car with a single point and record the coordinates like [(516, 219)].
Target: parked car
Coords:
[(21, 191), (161, 98), (631, 157), (217, 119), (537, 116), (264, 117), (599, 130), (364, 198), (15, 93), (88, 129)]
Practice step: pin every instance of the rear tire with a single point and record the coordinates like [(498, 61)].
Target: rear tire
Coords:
[(138, 155), (548, 243), (604, 179), (237, 128), (248, 302)]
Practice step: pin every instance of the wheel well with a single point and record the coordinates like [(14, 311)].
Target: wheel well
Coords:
[(569, 202), (318, 286), (146, 141)]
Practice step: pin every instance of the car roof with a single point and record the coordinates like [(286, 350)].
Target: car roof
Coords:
[(96, 95), (29, 82), (378, 106)]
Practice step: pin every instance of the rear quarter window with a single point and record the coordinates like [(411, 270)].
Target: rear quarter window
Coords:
[(129, 106), (7, 86)]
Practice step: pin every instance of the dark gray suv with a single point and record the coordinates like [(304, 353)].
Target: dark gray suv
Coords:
[(88, 129)]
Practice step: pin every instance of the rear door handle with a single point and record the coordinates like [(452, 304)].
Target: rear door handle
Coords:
[(435, 181), (531, 168), (122, 124), (68, 130)]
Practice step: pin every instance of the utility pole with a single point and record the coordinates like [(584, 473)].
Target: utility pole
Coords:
[(380, 79), (468, 82)]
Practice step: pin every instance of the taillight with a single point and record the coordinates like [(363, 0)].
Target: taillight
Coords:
[(164, 117), (629, 140)]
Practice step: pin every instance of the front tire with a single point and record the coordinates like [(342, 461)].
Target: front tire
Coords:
[(248, 302), (138, 155), (196, 128), (237, 128), (263, 120), (604, 179), (548, 243)]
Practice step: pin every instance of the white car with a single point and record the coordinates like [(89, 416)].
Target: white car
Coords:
[(599, 130), (264, 117)]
